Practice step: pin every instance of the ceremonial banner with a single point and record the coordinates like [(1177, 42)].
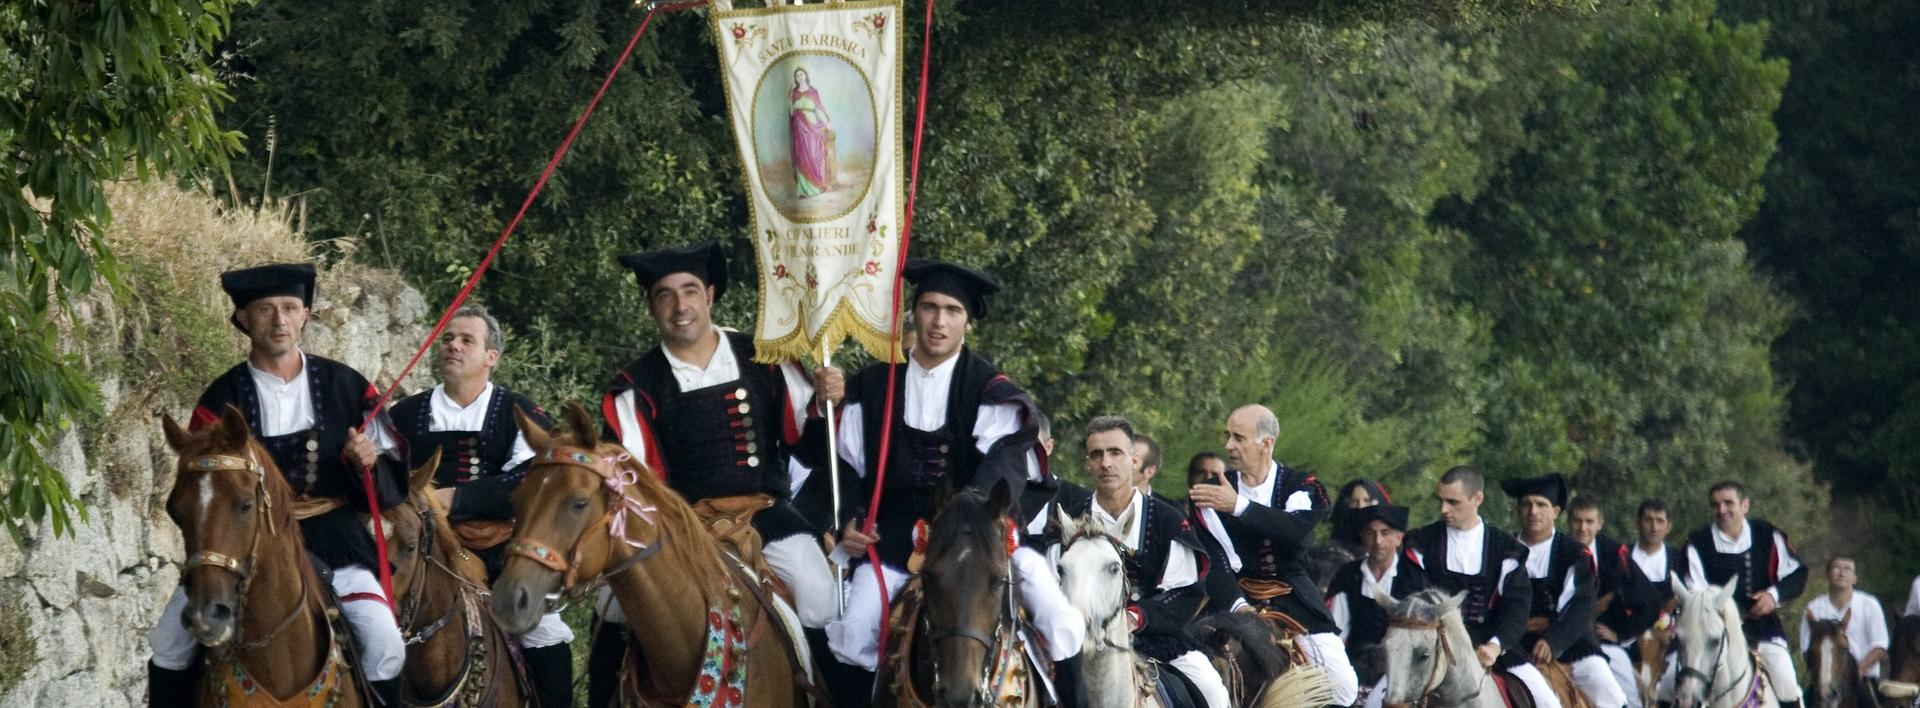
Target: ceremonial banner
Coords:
[(813, 93)]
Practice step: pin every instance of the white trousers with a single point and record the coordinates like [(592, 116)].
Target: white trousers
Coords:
[(1778, 663), (855, 637), (1543, 695), (1377, 694), (382, 652), (550, 631), (1198, 670), (1595, 678), (1623, 675), (1330, 653)]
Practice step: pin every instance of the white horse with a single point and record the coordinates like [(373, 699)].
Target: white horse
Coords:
[(1094, 581), (1715, 667), (1430, 657)]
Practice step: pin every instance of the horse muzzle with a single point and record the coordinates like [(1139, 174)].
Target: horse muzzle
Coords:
[(518, 605), (211, 622)]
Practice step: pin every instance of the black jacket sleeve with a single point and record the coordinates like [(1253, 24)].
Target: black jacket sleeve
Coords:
[(1794, 583), (1575, 621), (1290, 528), (1509, 619)]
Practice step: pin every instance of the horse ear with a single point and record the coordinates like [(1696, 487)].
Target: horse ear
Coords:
[(1680, 589), (1000, 499), (537, 437), (1724, 593), (422, 476), (1845, 618), (176, 436), (233, 425), (581, 423), (1453, 602), (1381, 595), (1068, 525)]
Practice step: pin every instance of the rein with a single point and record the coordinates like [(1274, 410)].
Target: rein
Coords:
[(999, 644), (614, 482), (245, 568), (1720, 659), (1443, 661), (1084, 534)]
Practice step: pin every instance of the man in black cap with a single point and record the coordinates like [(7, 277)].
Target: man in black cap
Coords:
[(1162, 561), (698, 411), (1351, 596), (1560, 627), (1263, 514), (469, 420), (1462, 553), (1766, 573), (306, 411), (958, 423)]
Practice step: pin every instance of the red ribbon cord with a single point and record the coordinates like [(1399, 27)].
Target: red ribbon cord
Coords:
[(366, 476)]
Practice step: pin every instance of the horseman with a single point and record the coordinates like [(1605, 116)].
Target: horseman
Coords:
[(1866, 623), (958, 423), (1263, 514), (1461, 553), (713, 424), (306, 411), (469, 420), (1561, 571), (1351, 596), (1223, 589), (1655, 563), (1163, 559), (1766, 573), (1626, 602)]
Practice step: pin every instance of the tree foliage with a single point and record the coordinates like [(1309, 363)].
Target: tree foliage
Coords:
[(89, 93)]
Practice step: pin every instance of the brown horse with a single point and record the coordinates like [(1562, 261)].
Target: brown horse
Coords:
[(1832, 672), (1651, 651), (455, 653), (952, 632), (1906, 650), (588, 515), (253, 600)]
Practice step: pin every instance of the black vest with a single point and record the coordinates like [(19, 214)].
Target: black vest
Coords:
[(1620, 579), (312, 460), (1366, 621), (1487, 612), (1267, 557), (1569, 629), (1758, 568), (472, 461)]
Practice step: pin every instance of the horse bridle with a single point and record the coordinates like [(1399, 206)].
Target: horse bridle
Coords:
[(1083, 534), (209, 464), (1706, 678), (568, 564), (424, 562), (1443, 658), (1002, 631)]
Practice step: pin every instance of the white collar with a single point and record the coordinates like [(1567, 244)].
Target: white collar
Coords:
[(1262, 491), (1474, 535), (722, 352), (1130, 530), (1385, 581), (1542, 545), (1739, 541), (265, 377), (942, 370), (442, 400)]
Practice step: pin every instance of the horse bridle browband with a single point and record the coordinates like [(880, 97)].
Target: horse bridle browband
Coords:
[(618, 506), (245, 570)]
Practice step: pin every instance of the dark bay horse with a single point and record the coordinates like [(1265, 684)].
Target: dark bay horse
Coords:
[(588, 515), (455, 653), (253, 600), (953, 638), (1832, 673)]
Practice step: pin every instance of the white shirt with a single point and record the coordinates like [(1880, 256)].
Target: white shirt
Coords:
[(923, 405), (1465, 551), (1697, 570), (721, 368), (1249, 494), (1866, 632), (1337, 605), (449, 415), (286, 407), (1540, 562), (1182, 569), (1653, 565), (1913, 598)]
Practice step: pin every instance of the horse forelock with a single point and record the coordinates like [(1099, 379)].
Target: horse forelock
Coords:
[(1427, 606), (966, 526)]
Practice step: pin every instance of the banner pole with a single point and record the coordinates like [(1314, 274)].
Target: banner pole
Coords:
[(833, 480)]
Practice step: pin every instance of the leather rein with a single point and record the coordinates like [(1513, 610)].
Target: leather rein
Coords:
[(245, 568)]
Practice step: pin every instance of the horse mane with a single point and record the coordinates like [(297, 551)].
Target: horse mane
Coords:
[(1253, 634), (447, 541), (965, 521), (1906, 641), (692, 546), (1423, 607)]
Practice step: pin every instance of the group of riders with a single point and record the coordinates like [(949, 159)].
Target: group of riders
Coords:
[(701, 413)]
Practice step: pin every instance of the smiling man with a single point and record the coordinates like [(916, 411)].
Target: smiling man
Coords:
[(1765, 571)]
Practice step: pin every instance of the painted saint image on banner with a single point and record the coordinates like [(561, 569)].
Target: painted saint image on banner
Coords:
[(813, 135)]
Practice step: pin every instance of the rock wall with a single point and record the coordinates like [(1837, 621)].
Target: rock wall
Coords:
[(89, 598)]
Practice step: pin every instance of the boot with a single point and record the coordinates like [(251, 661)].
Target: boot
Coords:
[(603, 665), (550, 670), (850, 686), (166, 687), (387, 692), (1069, 684)]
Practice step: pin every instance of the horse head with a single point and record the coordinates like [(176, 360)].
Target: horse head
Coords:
[(1418, 651), (967, 575), (230, 503), (1093, 578), (1707, 623), (1830, 664)]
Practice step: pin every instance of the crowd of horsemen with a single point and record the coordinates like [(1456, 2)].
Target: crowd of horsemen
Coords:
[(700, 412)]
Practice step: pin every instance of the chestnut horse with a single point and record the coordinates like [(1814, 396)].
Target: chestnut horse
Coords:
[(455, 653), (588, 515), (253, 599)]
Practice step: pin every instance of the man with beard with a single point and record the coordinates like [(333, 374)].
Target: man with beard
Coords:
[(1351, 597), (698, 411), (1562, 573), (1624, 602), (1462, 553), (1766, 573), (469, 420), (306, 411), (958, 424), (1161, 557), (1263, 514)]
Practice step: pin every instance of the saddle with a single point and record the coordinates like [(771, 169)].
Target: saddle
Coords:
[(482, 534), (1259, 592), (730, 520)]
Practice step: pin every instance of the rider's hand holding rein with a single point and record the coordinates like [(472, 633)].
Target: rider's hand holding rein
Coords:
[(1763, 604), (359, 450), (1488, 653)]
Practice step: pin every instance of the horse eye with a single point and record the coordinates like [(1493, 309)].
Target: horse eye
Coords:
[(246, 505), (412, 547), (1113, 568), (580, 504)]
